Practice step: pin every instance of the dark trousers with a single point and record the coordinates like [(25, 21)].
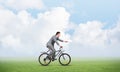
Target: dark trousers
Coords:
[(52, 52)]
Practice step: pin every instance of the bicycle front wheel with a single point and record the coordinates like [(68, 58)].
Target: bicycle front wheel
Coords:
[(44, 59), (64, 59)]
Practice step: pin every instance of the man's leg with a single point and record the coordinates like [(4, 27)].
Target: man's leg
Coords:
[(52, 53)]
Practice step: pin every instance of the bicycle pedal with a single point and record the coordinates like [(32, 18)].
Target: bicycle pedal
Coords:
[(54, 59)]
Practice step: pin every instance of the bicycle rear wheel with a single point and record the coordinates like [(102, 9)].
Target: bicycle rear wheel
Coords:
[(64, 59), (44, 59)]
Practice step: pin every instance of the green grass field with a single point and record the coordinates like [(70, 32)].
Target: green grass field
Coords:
[(75, 66)]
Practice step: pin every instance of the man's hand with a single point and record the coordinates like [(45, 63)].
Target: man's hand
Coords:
[(65, 41)]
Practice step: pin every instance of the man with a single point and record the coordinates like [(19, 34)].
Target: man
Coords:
[(52, 41)]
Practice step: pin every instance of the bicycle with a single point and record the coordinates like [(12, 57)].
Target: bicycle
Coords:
[(64, 58)]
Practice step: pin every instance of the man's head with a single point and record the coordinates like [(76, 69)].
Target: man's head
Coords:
[(57, 34)]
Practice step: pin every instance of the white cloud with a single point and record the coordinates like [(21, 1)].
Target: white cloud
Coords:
[(1, 7), (114, 36), (21, 34), (27, 35), (23, 4), (11, 41), (91, 40), (55, 20), (90, 33)]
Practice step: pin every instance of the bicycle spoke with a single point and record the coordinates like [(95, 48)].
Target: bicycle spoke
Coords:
[(64, 59), (44, 60)]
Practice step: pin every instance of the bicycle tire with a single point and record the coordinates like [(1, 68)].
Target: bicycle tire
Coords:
[(39, 59), (61, 61)]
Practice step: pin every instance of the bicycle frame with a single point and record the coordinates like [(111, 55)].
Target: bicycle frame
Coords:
[(58, 52)]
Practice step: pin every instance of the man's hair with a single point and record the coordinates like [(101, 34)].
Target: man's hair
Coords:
[(57, 33)]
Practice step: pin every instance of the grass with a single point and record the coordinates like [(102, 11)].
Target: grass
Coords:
[(75, 66)]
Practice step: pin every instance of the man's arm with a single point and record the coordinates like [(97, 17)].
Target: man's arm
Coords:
[(60, 40), (55, 39)]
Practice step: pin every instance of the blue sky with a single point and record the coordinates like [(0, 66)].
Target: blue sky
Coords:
[(81, 11), (107, 11), (91, 26)]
